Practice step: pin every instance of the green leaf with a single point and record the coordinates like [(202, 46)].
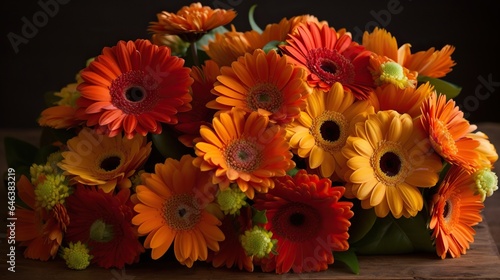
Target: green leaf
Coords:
[(19, 153), (168, 145), (441, 86), (272, 45), (396, 236), (348, 258), (259, 217), (252, 20), (210, 36), (361, 223)]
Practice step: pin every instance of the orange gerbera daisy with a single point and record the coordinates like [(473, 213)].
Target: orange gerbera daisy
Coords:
[(243, 148), (486, 149), (191, 22), (407, 100), (455, 209), (134, 87), (172, 208), (308, 220), (331, 57), (448, 129), (388, 160), (387, 71), (431, 63), (63, 114), (97, 160), (38, 229), (190, 121), (262, 82), (322, 128)]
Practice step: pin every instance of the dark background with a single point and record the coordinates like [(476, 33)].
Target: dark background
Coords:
[(80, 29)]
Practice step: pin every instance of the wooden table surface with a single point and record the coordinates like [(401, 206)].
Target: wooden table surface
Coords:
[(482, 261)]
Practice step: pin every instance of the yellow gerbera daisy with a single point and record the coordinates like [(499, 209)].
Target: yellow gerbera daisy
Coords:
[(102, 161), (322, 128), (243, 148), (262, 82), (172, 208), (389, 158)]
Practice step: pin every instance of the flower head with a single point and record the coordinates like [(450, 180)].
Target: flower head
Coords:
[(172, 209), (103, 221), (308, 220), (387, 71), (51, 191), (133, 87), (448, 130), (431, 63), (38, 229), (63, 113), (262, 82), (388, 160), (257, 242), (231, 200), (407, 100), (243, 148), (76, 255), (455, 209), (97, 160), (190, 121), (486, 182), (322, 128), (191, 22), (329, 58)]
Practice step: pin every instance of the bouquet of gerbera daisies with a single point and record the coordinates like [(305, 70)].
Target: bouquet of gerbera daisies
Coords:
[(284, 148)]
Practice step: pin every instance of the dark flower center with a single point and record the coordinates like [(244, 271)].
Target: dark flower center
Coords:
[(265, 96), (330, 131), (446, 209), (297, 222), (110, 163), (181, 212), (330, 66), (135, 94), (243, 155), (390, 164)]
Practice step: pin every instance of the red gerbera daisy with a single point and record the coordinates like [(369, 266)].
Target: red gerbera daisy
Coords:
[(308, 220), (133, 87), (331, 57), (191, 121), (103, 221)]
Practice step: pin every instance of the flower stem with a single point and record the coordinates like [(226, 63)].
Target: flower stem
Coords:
[(194, 53)]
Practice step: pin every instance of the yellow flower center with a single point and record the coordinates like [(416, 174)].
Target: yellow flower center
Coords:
[(243, 155), (265, 96), (392, 72), (181, 212), (53, 190), (329, 130), (389, 161)]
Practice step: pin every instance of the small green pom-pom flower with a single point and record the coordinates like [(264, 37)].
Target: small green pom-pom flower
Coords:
[(231, 200), (486, 182), (53, 190), (76, 256), (257, 242)]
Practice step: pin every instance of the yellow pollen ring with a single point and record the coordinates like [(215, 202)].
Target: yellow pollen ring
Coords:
[(398, 157)]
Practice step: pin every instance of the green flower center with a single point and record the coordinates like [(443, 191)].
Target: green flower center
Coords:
[(101, 232), (51, 191), (486, 182), (257, 242), (231, 200), (77, 256)]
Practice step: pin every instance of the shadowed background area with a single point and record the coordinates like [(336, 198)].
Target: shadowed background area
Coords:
[(46, 42)]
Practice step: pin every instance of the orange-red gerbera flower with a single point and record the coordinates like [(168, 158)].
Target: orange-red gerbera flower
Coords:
[(331, 57), (38, 229), (134, 87), (232, 253), (173, 208), (190, 121), (243, 148), (448, 129), (262, 82), (191, 22), (431, 63), (407, 100), (308, 220), (455, 209), (103, 222), (63, 114)]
